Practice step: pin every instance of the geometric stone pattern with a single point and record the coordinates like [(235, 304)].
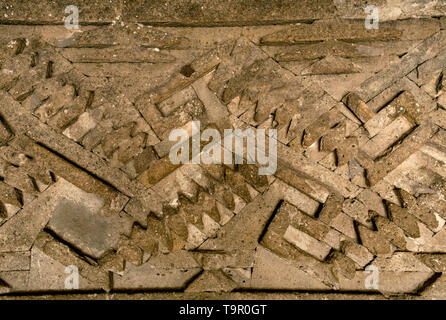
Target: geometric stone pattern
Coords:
[(86, 180)]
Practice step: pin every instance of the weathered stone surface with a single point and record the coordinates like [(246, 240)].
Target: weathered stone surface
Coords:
[(358, 253), (331, 209), (78, 223), (391, 10), (212, 281), (401, 152), (442, 23), (358, 107), (390, 283), (404, 220), (49, 12), (81, 127), (15, 261), (377, 83), (147, 276), (375, 243), (391, 232), (5, 134), (437, 290), (387, 137), (220, 12), (49, 274), (342, 265), (116, 55), (331, 65), (358, 211), (272, 271), (87, 181), (306, 243), (19, 233), (344, 224), (55, 254), (309, 52), (354, 31)]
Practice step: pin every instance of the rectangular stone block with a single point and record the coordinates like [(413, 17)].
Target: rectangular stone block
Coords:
[(358, 253), (303, 241)]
